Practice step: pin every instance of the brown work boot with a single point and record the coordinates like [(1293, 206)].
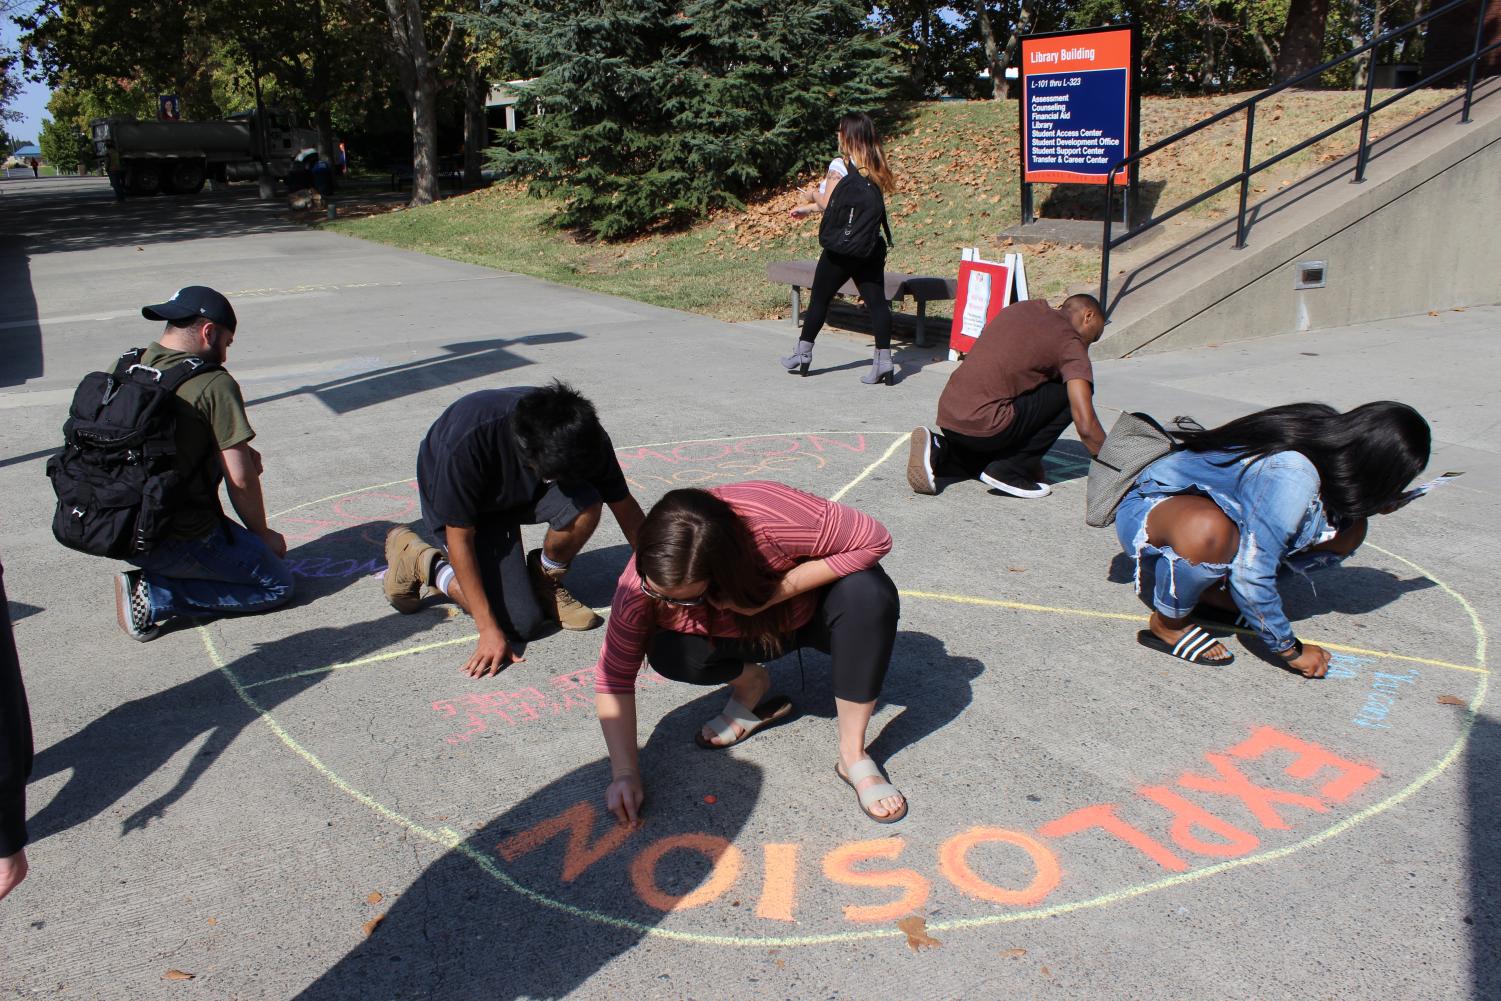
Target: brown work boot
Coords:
[(562, 607), (409, 565)]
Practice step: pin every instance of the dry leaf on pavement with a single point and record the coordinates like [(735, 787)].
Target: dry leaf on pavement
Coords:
[(369, 926), (177, 975), (916, 930), (1451, 700), (1013, 953), (374, 898)]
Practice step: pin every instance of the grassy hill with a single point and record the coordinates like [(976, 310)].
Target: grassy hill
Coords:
[(956, 164)]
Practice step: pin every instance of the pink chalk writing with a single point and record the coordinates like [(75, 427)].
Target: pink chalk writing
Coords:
[(774, 457), (562, 694)]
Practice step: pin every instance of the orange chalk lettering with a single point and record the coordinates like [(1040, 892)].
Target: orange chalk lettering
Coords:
[(724, 856), (1311, 758), (1103, 817), (1257, 798), (953, 862), (779, 885), (579, 855), (838, 867), (1189, 816)]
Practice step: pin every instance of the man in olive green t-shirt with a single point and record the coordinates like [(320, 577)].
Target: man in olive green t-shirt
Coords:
[(208, 564)]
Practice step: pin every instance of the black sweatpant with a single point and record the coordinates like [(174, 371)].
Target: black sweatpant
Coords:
[(1039, 416), (869, 275), (15, 738), (855, 625)]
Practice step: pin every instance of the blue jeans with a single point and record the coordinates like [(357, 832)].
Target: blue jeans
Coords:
[(228, 570), (1176, 583)]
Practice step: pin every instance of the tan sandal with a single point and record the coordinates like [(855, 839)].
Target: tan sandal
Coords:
[(864, 769)]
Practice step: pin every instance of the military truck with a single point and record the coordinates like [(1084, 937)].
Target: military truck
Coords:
[(177, 157)]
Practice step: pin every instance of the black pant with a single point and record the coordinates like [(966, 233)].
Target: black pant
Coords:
[(869, 274), (855, 625), (15, 738), (1038, 418)]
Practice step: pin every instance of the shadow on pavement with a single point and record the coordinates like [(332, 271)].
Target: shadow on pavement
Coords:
[(1483, 797), (458, 932), (1345, 590), (19, 332), (932, 686), (127, 745), (461, 363)]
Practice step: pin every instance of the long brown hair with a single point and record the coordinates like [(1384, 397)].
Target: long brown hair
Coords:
[(857, 137), (691, 536)]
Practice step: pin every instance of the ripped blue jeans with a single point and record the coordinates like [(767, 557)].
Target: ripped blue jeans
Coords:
[(1177, 583)]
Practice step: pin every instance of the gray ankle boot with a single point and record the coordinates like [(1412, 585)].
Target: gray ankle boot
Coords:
[(880, 369), (797, 363)]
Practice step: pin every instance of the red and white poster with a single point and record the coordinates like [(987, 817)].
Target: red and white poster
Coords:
[(985, 288)]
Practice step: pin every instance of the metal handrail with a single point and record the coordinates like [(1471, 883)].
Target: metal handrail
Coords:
[(1248, 169)]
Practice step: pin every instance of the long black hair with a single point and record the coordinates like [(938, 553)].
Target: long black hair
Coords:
[(1365, 458)]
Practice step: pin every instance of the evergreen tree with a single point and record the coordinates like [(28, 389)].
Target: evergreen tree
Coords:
[(654, 113)]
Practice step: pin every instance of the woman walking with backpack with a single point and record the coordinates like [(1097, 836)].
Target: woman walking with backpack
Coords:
[(850, 198)]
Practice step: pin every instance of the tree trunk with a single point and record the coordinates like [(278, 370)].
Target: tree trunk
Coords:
[(993, 61), (1302, 45), (476, 135), (419, 80), (1013, 43)]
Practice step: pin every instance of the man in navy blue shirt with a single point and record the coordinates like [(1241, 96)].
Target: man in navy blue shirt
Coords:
[(494, 461)]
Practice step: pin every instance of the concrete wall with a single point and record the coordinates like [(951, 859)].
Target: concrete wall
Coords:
[(1423, 232), (1435, 246)]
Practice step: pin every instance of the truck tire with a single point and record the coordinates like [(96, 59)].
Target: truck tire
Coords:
[(186, 177), (144, 177)]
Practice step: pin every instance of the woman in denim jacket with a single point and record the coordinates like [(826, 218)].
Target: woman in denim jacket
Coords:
[(1290, 486)]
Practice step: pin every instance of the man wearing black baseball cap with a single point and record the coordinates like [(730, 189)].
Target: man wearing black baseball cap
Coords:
[(208, 564)]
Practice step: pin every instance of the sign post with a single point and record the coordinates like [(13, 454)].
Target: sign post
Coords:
[(1080, 109)]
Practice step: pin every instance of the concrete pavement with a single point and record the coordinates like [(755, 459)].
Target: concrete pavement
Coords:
[(1088, 818)]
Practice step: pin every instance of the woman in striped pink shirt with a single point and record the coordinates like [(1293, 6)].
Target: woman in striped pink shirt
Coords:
[(723, 578)]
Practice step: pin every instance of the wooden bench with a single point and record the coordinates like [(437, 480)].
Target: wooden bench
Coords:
[(922, 288)]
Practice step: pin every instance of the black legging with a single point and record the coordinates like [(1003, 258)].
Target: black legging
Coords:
[(855, 625), (869, 274)]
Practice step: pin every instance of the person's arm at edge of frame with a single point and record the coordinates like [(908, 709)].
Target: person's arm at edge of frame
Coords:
[(13, 755), (242, 481), (1086, 422), (492, 653), (629, 516)]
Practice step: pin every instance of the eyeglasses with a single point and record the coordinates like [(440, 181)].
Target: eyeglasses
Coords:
[(680, 602)]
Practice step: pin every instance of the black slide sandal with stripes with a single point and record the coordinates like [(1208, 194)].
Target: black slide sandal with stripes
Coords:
[(1193, 646)]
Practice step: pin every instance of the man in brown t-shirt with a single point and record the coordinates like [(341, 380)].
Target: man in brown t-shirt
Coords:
[(209, 564), (1026, 377)]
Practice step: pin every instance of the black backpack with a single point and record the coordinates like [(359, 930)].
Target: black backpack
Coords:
[(116, 478), (854, 217)]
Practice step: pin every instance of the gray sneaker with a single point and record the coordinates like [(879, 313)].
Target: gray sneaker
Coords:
[(133, 606)]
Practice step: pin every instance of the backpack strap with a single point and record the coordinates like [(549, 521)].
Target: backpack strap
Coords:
[(184, 370)]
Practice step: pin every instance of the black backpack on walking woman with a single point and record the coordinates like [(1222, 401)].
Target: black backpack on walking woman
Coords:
[(854, 217), (116, 477)]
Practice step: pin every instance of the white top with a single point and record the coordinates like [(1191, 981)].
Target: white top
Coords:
[(836, 166)]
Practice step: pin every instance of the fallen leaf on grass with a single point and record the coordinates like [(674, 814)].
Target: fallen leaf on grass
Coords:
[(178, 975), (374, 898), (1013, 953), (369, 926), (1451, 700), (916, 930)]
